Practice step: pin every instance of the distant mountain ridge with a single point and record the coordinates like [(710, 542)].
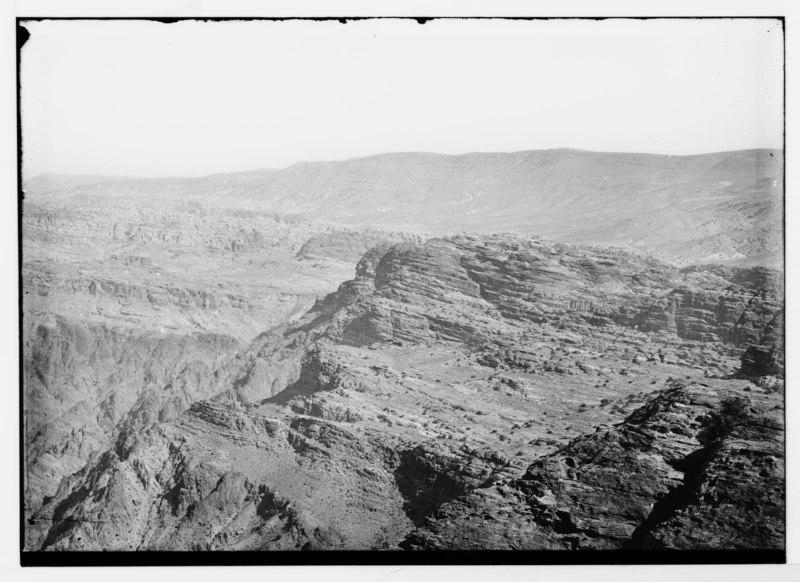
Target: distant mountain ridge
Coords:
[(720, 207)]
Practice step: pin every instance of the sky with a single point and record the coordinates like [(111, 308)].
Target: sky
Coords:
[(143, 98)]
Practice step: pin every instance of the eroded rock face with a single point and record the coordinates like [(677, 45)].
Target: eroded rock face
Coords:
[(760, 361), (767, 358), (694, 468), (225, 478), (84, 382), (458, 289), (418, 393)]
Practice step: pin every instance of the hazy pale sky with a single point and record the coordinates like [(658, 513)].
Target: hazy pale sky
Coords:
[(192, 98)]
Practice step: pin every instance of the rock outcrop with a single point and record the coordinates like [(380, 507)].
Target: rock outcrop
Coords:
[(84, 382), (225, 478), (350, 245), (470, 289), (695, 468)]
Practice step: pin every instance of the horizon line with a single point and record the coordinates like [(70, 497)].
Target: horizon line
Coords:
[(391, 153)]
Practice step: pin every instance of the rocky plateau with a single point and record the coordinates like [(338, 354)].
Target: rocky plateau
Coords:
[(409, 352)]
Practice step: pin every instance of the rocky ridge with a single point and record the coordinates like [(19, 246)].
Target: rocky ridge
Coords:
[(442, 368)]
